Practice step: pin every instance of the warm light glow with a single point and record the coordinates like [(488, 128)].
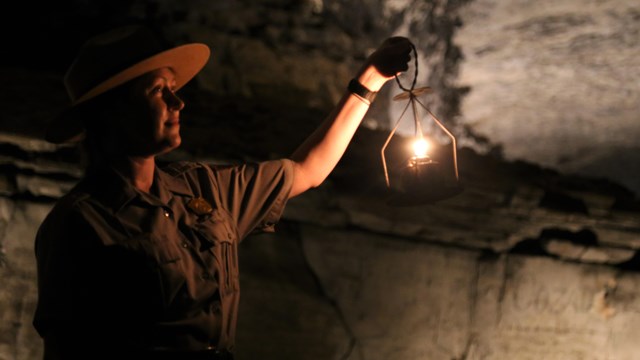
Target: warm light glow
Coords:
[(420, 148)]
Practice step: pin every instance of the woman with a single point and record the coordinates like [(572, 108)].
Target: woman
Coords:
[(139, 261)]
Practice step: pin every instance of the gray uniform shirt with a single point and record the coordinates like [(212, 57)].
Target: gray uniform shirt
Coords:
[(125, 269)]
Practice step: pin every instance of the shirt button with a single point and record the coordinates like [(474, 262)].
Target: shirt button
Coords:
[(185, 245), (167, 214), (212, 345)]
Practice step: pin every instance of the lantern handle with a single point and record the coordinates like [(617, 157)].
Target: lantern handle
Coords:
[(415, 75)]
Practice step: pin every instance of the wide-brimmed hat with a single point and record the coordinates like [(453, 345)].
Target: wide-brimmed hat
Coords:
[(113, 58)]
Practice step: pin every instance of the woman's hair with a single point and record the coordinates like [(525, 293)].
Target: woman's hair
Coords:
[(100, 143)]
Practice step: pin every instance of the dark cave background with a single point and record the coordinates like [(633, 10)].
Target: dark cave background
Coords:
[(529, 250)]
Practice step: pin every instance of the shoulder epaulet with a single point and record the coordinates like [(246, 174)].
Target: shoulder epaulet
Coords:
[(180, 167), (76, 195), (73, 198), (67, 203)]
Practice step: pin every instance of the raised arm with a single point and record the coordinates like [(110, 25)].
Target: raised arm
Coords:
[(320, 152)]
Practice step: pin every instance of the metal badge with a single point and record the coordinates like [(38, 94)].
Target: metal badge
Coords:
[(200, 206)]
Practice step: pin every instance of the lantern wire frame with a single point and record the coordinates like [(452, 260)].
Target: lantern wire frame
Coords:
[(412, 95)]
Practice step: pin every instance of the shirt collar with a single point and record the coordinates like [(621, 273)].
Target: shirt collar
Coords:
[(113, 190), (168, 183)]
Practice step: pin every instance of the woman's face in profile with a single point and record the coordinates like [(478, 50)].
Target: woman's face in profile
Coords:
[(152, 124)]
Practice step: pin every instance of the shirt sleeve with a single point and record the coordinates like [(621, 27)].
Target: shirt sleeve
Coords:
[(63, 247), (255, 194), (83, 299)]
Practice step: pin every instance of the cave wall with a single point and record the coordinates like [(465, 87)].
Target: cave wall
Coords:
[(553, 82), (525, 263), (528, 262)]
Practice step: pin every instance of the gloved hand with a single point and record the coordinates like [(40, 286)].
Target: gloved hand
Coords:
[(392, 57)]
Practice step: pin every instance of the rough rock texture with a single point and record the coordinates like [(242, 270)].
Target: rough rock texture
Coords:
[(523, 257), (18, 294), (554, 82), (273, 62), (418, 301), (526, 263)]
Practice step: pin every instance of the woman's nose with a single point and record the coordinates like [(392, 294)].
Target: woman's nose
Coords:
[(173, 101)]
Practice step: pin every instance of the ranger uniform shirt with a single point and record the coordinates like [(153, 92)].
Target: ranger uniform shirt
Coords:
[(121, 269)]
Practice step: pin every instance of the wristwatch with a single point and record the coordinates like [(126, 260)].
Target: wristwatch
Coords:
[(360, 90)]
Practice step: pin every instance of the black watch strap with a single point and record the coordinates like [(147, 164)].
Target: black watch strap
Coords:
[(356, 88)]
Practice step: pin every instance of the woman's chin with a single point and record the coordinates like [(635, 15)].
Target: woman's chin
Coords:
[(169, 143), (175, 142)]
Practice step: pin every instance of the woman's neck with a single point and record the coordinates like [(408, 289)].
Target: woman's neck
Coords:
[(138, 170)]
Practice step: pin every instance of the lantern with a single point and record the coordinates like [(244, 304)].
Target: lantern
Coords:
[(422, 180)]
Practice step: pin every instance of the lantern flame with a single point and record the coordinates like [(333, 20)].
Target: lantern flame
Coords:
[(420, 148)]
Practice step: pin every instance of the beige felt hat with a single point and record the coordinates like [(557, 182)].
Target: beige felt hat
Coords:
[(113, 58)]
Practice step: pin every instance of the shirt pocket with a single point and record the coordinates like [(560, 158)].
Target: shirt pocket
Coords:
[(165, 264), (221, 241), (160, 249)]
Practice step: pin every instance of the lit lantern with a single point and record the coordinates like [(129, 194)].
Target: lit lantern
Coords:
[(422, 180)]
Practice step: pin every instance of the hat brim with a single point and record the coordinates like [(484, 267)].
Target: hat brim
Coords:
[(185, 60)]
